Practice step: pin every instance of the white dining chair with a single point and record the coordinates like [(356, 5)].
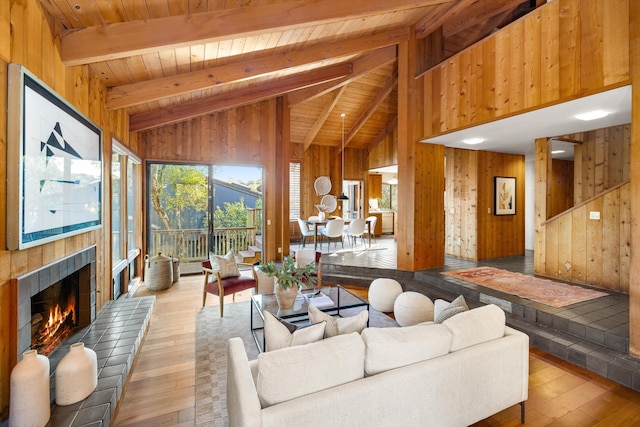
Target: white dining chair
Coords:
[(334, 230), (355, 229), (305, 231)]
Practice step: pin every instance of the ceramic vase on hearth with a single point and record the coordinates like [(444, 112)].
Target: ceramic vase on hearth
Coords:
[(76, 375), (30, 404)]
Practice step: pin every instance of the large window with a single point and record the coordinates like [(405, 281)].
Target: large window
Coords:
[(294, 191), (125, 227)]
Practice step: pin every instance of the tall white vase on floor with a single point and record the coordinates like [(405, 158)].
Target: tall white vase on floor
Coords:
[(76, 375), (30, 405)]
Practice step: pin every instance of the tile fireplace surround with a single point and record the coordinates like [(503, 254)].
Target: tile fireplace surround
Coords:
[(115, 334)]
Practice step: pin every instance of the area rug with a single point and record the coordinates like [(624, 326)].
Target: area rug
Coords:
[(545, 291), (212, 333)]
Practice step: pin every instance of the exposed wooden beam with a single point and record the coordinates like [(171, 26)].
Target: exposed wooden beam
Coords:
[(119, 40), (477, 13), (438, 15), (361, 66), (322, 117), (151, 90), (247, 95), (372, 107), (566, 139), (391, 125)]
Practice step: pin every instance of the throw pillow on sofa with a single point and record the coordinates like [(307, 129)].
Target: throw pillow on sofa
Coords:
[(277, 335), (443, 310), (339, 325)]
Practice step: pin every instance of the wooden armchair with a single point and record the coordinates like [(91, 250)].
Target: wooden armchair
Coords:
[(230, 285)]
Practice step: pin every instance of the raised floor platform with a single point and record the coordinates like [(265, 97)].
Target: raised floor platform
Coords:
[(592, 334)]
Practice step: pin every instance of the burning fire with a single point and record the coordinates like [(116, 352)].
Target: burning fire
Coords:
[(59, 324)]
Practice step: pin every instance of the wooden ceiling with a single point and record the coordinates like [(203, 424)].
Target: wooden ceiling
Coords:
[(166, 61)]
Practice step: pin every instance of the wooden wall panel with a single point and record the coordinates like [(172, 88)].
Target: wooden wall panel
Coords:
[(560, 197), (596, 252), (499, 236), (560, 51), (461, 203), (29, 41)]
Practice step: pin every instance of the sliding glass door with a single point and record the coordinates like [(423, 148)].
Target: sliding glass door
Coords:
[(195, 209)]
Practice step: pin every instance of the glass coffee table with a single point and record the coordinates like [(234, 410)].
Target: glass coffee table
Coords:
[(341, 300)]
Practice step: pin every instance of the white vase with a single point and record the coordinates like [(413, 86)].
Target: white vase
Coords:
[(30, 405), (322, 216), (76, 375)]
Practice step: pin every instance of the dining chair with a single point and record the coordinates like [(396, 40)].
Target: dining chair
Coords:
[(334, 230), (355, 229), (372, 220), (305, 231)]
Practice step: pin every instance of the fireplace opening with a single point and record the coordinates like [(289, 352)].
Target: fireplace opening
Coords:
[(54, 314)]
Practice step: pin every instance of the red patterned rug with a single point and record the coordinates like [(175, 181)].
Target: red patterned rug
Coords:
[(544, 291)]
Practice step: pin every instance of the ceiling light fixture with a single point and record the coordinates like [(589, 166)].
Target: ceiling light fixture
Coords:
[(592, 115), (342, 196), (473, 141)]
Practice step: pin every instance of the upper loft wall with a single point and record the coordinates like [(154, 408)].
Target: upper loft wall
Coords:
[(27, 39), (562, 50)]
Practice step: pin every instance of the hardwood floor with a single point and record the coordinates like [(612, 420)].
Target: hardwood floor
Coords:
[(160, 391)]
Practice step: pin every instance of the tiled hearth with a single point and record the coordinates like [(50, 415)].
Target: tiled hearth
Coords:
[(115, 334)]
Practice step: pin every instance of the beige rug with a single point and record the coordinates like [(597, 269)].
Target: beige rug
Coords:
[(212, 333), (545, 291)]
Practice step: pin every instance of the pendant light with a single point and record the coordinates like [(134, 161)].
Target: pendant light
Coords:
[(342, 196)]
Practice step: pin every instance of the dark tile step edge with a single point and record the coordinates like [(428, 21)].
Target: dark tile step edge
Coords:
[(615, 365), (607, 339), (99, 407)]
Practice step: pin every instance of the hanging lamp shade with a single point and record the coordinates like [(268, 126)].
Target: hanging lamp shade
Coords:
[(342, 196)]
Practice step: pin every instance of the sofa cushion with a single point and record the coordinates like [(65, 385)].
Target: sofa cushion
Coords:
[(279, 335), (389, 348), (476, 326), (297, 371), (339, 325), (225, 265), (443, 310)]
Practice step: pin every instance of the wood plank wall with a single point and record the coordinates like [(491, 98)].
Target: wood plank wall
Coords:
[(560, 197), (597, 252), (27, 39), (578, 248), (240, 136), (562, 50), (461, 203), (603, 160)]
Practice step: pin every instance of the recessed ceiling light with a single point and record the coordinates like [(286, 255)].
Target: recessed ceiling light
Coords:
[(473, 141), (592, 115), (557, 151)]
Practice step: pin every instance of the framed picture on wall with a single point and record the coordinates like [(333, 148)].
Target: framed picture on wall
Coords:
[(54, 165), (504, 195)]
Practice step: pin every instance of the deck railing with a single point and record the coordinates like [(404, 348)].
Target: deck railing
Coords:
[(193, 244)]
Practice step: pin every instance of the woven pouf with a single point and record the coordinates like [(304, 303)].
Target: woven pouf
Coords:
[(411, 308), (383, 293)]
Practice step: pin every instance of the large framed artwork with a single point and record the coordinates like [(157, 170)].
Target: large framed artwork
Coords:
[(504, 195), (54, 165)]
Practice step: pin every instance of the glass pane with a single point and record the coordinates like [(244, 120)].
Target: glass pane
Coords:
[(132, 204), (116, 224), (237, 210), (178, 206)]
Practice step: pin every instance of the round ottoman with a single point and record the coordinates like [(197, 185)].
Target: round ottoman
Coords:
[(383, 293), (412, 308)]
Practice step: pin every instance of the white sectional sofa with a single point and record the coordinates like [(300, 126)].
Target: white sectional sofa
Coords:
[(452, 374)]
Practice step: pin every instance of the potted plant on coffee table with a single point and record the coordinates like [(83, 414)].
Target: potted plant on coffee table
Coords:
[(289, 279)]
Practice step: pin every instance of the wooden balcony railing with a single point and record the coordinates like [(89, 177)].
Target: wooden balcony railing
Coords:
[(193, 244)]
